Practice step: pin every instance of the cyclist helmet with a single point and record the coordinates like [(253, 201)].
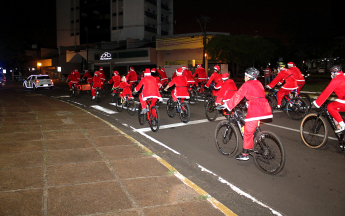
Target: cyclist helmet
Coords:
[(131, 68), (252, 73), (225, 76), (335, 70), (216, 68), (281, 66)]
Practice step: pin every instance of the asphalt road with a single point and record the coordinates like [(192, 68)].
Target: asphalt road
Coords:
[(310, 184)]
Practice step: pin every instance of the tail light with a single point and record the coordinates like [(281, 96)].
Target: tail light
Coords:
[(37, 81)]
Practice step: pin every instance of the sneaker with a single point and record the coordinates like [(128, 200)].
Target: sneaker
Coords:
[(113, 94), (243, 157), (341, 129), (143, 111), (93, 97), (277, 107)]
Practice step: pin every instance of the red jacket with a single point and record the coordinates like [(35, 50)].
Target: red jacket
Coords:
[(96, 82), (116, 79), (101, 75), (214, 77), (162, 74), (150, 88), (258, 106), (226, 91), (73, 78), (297, 74), (88, 76), (337, 85), (201, 73), (267, 72), (180, 83), (132, 76), (188, 74), (126, 90), (290, 81)]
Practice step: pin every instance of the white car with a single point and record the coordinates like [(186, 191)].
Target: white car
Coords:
[(38, 81)]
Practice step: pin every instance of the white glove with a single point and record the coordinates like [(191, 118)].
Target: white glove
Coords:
[(313, 104), (221, 107)]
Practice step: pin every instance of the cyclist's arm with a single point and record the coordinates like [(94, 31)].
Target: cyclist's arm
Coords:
[(326, 93)]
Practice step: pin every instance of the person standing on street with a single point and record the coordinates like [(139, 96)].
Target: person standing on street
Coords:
[(267, 73)]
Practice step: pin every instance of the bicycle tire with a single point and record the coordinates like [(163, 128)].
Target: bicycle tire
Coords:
[(296, 109), (226, 138), (141, 117), (314, 136), (269, 153), (104, 90), (207, 98), (185, 112), (98, 96), (307, 99), (154, 119), (193, 95), (272, 101), (119, 105), (131, 108), (75, 91), (170, 108), (71, 93), (210, 111)]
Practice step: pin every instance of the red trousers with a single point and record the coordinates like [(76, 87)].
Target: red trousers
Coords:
[(280, 95), (334, 108), (197, 81), (249, 129), (143, 102), (93, 89), (300, 86)]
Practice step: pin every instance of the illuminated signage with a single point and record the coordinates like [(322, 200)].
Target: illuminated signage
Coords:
[(106, 56)]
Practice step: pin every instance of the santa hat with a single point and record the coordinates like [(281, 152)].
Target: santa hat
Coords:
[(116, 72), (131, 68), (76, 70), (184, 67), (291, 64), (163, 69), (100, 68), (124, 79), (225, 76), (147, 72), (216, 68), (179, 71), (86, 71), (153, 70), (199, 65)]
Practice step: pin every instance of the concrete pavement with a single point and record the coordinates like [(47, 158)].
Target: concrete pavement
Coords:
[(57, 159)]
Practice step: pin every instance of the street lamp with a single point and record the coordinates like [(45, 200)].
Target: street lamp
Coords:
[(39, 64)]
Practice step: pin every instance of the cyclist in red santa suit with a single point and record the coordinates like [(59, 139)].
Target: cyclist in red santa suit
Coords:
[(88, 76), (150, 90), (77, 74), (97, 82), (116, 79), (180, 90), (188, 74), (298, 76), (290, 83), (226, 90), (126, 90), (201, 73), (258, 107), (337, 85), (163, 75), (215, 77), (131, 77), (72, 79)]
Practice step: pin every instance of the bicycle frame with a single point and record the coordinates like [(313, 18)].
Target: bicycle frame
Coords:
[(286, 97)]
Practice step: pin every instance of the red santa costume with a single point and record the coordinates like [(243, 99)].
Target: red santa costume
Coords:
[(201, 73), (215, 77), (116, 79), (101, 75), (188, 74), (131, 77), (298, 76), (290, 83), (258, 106), (73, 79), (126, 89), (337, 85), (88, 77), (97, 82), (77, 74), (180, 82), (163, 75), (150, 89), (226, 90)]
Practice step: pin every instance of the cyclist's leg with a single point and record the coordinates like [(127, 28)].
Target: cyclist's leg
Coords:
[(334, 108), (249, 129), (142, 102), (300, 86), (93, 90), (280, 95), (173, 95)]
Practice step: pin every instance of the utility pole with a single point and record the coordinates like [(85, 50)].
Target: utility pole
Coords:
[(205, 19)]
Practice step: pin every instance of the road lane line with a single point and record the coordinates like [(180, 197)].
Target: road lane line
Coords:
[(114, 104), (97, 107)]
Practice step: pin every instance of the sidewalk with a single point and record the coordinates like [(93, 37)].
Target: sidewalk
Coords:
[(54, 162)]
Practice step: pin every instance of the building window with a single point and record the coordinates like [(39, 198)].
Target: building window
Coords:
[(121, 13), (165, 7), (77, 21), (72, 34), (164, 32), (114, 0), (97, 57), (151, 15), (150, 29), (114, 14), (77, 33), (152, 2), (133, 54), (72, 21), (120, 27), (114, 28), (72, 9)]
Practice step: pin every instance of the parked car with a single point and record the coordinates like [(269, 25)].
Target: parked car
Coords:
[(38, 81)]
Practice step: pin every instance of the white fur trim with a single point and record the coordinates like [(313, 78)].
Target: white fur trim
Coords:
[(289, 88), (340, 101), (258, 118)]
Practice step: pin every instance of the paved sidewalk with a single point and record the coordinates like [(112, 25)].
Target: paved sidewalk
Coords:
[(57, 159)]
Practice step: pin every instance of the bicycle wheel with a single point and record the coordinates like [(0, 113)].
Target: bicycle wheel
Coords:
[(131, 107), (207, 98), (154, 119), (314, 131), (272, 101), (226, 138), (141, 117), (193, 95), (296, 108), (104, 90), (307, 99), (269, 153), (75, 92), (210, 110), (119, 105), (185, 112), (170, 108)]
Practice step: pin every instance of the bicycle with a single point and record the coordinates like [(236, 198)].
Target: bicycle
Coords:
[(209, 93), (181, 108), (268, 151), (128, 103), (314, 129), (74, 91), (98, 95), (152, 116), (193, 94), (296, 108)]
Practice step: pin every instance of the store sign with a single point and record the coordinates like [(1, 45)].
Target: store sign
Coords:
[(106, 56), (175, 63)]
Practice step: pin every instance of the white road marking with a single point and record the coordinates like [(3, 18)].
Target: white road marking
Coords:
[(114, 104), (64, 96), (97, 107)]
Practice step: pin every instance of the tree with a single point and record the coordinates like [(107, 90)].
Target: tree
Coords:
[(242, 50)]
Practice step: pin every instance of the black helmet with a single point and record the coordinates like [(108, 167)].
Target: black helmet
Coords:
[(335, 70), (252, 72)]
